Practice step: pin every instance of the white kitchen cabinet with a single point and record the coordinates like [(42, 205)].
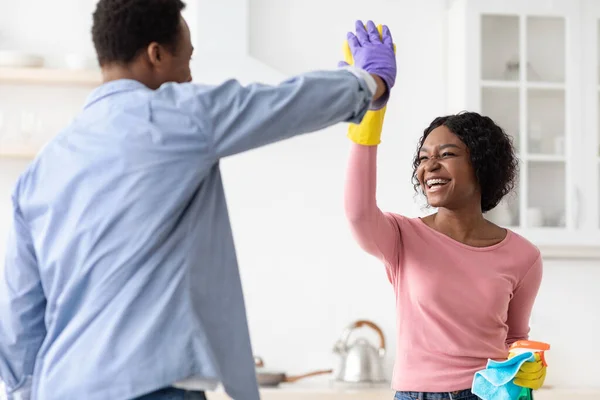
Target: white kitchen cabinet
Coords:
[(589, 148), (524, 64)]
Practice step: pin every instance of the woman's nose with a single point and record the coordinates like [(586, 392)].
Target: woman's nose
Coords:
[(432, 164)]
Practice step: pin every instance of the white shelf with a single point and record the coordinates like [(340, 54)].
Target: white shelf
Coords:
[(46, 76), (19, 151), (558, 252), (544, 157), (27, 155), (546, 85), (500, 84), (517, 84)]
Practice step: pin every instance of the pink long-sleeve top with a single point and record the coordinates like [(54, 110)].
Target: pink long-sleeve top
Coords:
[(457, 305)]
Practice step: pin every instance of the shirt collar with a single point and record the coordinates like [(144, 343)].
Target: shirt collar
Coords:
[(112, 87)]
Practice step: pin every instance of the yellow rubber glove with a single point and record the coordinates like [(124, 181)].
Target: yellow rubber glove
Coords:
[(368, 132), (532, 373)]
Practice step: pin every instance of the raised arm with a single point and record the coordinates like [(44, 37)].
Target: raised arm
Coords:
[(233, 118), (377, 233), (238, 118)]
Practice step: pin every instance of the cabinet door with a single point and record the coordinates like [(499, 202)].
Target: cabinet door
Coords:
[(529, 87), (589, 149), (521, 63)]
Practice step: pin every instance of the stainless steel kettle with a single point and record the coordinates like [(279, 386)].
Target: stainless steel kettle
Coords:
[(360, 361)]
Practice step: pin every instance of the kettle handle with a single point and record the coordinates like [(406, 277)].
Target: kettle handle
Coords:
[(360, 324)]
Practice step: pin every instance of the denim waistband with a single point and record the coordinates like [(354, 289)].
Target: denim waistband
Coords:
[(456, 395)]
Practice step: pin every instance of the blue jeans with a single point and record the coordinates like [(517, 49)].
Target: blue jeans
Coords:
[(457, 395), (172, 394)]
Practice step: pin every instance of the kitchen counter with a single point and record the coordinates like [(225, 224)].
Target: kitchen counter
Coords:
[(327, 391), (320, 391)]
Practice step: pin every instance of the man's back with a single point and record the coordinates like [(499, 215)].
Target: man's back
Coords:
[(114, 205)]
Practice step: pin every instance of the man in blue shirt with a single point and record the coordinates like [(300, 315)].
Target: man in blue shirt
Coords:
[(121, 269)]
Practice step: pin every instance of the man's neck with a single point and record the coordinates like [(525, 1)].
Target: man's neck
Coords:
[(113, 72)]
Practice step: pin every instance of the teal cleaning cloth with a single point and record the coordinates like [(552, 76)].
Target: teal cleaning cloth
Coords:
[(496, 381)]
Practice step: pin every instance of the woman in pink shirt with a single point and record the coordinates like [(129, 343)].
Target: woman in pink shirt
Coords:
[(464, 286)]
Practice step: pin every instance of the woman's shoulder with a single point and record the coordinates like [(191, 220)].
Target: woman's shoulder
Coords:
[(523, 248), (523, 243)]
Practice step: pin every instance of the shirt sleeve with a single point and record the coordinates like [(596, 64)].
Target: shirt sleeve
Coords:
[(239, 118), (22, 309), (376, 232), (521, 304)]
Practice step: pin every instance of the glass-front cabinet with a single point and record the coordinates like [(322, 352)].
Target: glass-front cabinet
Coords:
[(522, 64), (590, 147)]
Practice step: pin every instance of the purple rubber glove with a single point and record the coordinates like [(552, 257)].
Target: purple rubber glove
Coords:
[(372, 53)]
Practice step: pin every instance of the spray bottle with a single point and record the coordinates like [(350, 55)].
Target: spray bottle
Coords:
[(522, 346)]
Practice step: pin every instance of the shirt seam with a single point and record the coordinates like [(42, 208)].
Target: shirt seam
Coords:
[(209, 138), (520, 284)]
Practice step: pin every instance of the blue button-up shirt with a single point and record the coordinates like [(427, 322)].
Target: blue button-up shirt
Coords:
[(121, 268)]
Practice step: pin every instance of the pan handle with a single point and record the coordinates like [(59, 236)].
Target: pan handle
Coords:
[(291, 379)]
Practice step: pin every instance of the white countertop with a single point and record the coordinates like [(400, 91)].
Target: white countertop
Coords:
[(328, 391), (320, 391)]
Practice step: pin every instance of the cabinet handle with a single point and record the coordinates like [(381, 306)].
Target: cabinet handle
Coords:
[(577, 207)]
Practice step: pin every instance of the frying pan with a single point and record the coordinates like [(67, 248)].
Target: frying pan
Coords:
[(270, 378)]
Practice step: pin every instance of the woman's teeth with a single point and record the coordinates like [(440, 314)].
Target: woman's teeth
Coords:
[(433, 182)]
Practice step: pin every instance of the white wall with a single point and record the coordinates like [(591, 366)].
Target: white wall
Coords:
[(303, 276), (309, 286), (52, 28)]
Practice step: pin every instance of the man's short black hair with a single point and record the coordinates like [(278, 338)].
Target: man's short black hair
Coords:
[(123, 28)]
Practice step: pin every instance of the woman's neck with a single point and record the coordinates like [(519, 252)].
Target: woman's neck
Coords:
[(463, 225)]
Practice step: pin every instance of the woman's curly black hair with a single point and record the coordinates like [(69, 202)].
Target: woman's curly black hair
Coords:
[(491, 151), (123, 28)]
